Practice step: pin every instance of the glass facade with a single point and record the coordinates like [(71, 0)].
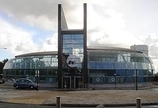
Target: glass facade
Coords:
[(73, 51), (27, 66), (73, 45), (104, 66)]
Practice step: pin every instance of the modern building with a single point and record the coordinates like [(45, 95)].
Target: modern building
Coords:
[(104, 66), (75, 65)]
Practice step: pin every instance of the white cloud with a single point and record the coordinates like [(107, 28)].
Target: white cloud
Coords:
[(42, 22), (109, 29), (106, 24), (50, 44), (15, 39)]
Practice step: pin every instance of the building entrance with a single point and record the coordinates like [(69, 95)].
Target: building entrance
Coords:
[(73, 82)]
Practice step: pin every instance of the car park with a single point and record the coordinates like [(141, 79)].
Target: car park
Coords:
[(25, 83)]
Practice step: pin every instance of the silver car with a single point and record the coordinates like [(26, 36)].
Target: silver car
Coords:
[(25, 83)]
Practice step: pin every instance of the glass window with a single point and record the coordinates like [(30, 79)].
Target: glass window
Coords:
[(73, 45)]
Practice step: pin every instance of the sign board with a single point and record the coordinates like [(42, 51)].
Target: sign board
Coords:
[(37, 73), (73, 61)]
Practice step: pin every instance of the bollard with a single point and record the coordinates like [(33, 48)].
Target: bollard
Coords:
[(58, 103), (138, 104)]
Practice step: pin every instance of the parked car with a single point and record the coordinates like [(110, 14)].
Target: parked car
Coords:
[(2, 80), (25, 83)]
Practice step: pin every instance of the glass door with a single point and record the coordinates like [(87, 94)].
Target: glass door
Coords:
[(66, 82), (78, 82)]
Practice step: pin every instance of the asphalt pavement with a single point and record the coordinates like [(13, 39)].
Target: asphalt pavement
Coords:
[(10, 105), (4, 88)]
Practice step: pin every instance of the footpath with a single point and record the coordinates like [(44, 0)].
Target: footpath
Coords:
[(79, 98)]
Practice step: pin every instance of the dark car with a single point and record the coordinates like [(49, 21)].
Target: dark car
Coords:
[(2, 80), (25, 83)]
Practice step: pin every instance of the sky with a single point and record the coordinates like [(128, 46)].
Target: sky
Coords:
[(31, 25)]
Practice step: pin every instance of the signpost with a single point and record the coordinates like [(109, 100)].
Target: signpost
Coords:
[(37, 75)]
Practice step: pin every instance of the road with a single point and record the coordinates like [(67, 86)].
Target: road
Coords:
[(9, 105)]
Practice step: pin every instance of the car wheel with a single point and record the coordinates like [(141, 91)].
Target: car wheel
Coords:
[(31, 87), (17, 87)]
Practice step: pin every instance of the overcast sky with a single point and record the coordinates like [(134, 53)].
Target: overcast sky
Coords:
[(31, 25)]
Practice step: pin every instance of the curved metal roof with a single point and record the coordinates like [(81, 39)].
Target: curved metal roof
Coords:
[(111, 49), (90, 48), (38, 53)]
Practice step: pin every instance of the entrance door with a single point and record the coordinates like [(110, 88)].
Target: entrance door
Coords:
[(67, 82), (78, 82), (73, 82)]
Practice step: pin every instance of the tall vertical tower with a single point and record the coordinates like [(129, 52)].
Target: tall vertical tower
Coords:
[(72, 53)]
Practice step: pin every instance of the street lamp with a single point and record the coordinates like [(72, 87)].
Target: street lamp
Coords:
[(136, 73), (136, 79), (115, 80), (37, 75)]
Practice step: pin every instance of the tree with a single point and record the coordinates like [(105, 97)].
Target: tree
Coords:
[(5, 60), (2, 65)]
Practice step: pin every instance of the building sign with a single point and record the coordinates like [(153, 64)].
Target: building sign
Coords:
[(73, 61)]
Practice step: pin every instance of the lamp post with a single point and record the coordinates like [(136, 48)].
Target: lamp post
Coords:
[(37, 75), (136, 73), (115, 80), (136, 79)]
